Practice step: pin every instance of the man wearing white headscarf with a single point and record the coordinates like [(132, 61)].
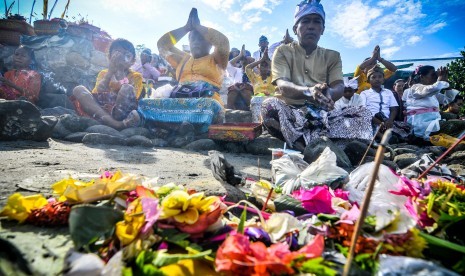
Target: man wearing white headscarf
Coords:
[(309, 79)]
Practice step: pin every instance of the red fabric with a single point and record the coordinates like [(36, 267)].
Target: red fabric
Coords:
[(29, 80)]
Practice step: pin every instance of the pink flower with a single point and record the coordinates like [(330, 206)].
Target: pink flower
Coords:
[(351, 215), (340, 193), (316, 200), (151, 211)]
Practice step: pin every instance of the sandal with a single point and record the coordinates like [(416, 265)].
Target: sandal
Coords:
[(132, 120)]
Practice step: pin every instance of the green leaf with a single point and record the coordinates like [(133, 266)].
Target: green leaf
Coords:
[(240, 227), (443, 243), (162, 258), (318, 266), (88, 223), (327, 217), (286, 202)]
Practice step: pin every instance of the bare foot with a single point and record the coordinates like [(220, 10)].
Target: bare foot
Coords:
[(132, 120)]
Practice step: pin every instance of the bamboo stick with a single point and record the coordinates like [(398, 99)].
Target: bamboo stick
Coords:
[(366, 200), (371, 143), (442, 156)]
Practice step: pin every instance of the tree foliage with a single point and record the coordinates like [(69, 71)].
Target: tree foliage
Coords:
[(457, 73)]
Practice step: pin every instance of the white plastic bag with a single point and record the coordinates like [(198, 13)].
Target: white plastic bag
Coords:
[(162, 92), (388, 208), (292, 172)]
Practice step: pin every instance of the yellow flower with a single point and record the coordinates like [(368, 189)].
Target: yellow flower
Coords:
[(19, 207), (185, 208), (134, 219)]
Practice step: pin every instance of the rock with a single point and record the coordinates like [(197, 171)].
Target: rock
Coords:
[(458, 169), (261, 145), (181, 141), (75, 137), (405, 159), (22, 120), (129, 132), (98, 138), (202, 145), (457, 157), (315, 148), (157, 142), (76, 123), (388, 163), (404, 150), (355, 151), (235, 147), (213, 187), (453, 127), (436, 150), (76, 60), (104, 130), (57, 111), (60, 131), (139, 140), (238, 116), (99, 59)]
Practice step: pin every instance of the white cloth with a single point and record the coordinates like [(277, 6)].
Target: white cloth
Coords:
[(235, 73), (424, 96), (372, 100), (273, 47), (343, 102), (258, 55)]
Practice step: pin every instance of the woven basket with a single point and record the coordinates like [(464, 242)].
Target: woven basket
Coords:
[(10, 37), (101, 43), (46, 27), (16, 26)]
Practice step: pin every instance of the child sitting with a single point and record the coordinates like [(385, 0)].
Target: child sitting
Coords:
[(262, 84), (22, 82), (349, 97)]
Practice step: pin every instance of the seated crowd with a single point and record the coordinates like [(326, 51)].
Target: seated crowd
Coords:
[(295, 88)]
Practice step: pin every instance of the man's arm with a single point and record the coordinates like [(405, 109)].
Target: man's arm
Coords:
[(311, 94)]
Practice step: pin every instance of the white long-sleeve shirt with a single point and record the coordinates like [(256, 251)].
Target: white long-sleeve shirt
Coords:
[(424, 96)]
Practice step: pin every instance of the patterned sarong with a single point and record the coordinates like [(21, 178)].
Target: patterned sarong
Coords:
[(198, 111), (290, 123)]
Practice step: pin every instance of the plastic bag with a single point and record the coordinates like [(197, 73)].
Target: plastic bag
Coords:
[(388, 208), (162, 92), (399, 265), (291, 172)]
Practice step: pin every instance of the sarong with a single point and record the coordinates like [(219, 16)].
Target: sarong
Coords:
[(290, 123), (201, 112)]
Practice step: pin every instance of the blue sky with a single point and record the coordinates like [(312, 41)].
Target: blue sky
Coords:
[(403, 28)]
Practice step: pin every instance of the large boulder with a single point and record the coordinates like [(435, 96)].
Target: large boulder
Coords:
[(76, 123), (140, 141), (22, 120), (129, 132), (314, 149), (262, 144), (102, 129), (202, 145), (355, 151), (105, 139)]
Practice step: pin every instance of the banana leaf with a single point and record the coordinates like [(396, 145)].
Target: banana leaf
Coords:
[(88, 223), (286, 202)]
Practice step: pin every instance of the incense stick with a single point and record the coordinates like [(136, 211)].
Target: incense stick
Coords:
[(366, 200), (369, 146)]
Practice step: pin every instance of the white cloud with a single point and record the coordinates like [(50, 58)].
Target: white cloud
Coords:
[(388, 42), (141, 8), (352, 21), (251, 20), (261, 5), (431, 29), (388, 3), (213, 25), (235, 17), (223, 5), (414, 40), (389, 52)]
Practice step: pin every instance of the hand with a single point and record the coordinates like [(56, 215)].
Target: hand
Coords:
[(265, 55), (287, 38), (317, 96), (442, 74), (242, 53), (376, 53), (194, 19), (115, 61), (189, 24)]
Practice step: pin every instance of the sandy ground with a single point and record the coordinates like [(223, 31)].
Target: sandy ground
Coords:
[(32, 167)]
